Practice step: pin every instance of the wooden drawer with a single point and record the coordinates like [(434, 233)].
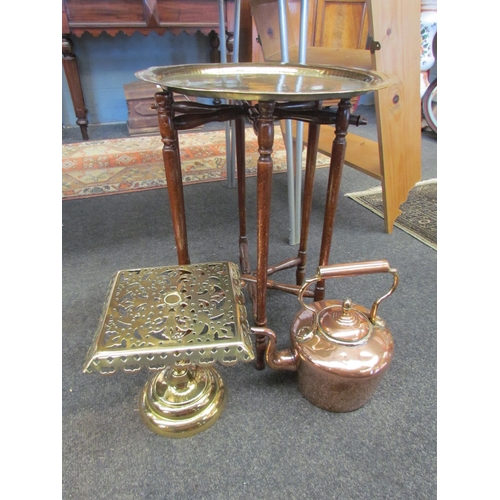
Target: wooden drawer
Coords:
[(142, 116)]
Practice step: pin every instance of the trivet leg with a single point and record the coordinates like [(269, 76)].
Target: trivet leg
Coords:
[(332, 194), (173, 172), (265, 127)]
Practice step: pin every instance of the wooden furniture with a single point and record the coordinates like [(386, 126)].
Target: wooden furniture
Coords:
[(280, 93), (383, 35), (142, 115), (143, 16)]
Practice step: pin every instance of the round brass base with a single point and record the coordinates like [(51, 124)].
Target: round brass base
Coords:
[(180, 402)]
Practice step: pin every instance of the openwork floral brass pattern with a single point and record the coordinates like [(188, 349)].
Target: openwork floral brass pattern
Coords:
[(172, 316)]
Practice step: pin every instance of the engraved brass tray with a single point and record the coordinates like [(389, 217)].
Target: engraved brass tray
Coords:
[(177, 321), (265, 81)]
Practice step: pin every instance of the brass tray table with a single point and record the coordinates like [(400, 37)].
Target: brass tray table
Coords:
[(262, 93), (178, 321)]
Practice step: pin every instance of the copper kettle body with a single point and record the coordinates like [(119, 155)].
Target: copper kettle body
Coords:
[(340, 350)]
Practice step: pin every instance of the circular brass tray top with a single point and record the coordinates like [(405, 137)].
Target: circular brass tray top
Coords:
[(265, 81)]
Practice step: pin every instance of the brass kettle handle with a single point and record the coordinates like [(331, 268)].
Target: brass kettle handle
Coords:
[(352, 269)]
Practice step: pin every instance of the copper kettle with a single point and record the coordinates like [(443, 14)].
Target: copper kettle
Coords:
[(340, 350)]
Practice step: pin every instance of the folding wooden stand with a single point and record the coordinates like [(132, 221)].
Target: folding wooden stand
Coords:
[(336, 30)]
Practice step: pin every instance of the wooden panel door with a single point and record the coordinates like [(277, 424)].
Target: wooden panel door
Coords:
[(341, 24)]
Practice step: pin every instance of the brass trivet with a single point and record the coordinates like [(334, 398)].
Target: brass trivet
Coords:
[(180, 320)]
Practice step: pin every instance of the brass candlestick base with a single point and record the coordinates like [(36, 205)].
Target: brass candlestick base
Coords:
[(180, 402), (177, 321)]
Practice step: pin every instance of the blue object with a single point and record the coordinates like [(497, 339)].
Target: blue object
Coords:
[(106, 63)]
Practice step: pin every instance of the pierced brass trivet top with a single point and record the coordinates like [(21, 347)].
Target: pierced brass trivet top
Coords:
[(178, 321), (172, 316)]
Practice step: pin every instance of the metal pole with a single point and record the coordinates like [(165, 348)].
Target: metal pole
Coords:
[(288, 128), (237, 16), (223, 58), (300, 125), (222, 32), (236, 58)]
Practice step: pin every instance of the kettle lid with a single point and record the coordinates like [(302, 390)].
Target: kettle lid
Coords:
[(342, 323)]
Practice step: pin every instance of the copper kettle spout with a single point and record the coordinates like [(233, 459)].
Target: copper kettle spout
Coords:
[(277, 360)]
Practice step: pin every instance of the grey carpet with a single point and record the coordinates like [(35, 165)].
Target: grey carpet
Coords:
[(270, 443)]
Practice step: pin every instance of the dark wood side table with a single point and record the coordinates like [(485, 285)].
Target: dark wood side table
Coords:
[(263, 93), (142, 16)]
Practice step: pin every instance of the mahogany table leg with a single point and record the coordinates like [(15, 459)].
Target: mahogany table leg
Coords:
[(334, 178), (173, 172), (312, 153), (240, 169), (265, 128), (74, 84)]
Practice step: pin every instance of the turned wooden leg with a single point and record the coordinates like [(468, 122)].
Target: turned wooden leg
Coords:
[(213, 38), (74, 84), (240, 170), (173, 172), (312, 153), (265, 128), (332, 194)]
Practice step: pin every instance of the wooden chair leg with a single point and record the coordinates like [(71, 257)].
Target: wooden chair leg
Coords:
[(265, 127), (332, 194), (74, 84), (173, 172), (311, 157), (240, 170)]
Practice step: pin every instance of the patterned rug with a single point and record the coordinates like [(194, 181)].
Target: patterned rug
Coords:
[(419, 211), (96, 168)]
